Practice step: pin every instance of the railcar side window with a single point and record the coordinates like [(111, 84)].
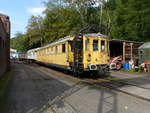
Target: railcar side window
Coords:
[(87, 45), (51, 49), (95, 45), (103, 45), (63, 48), (56, 49)]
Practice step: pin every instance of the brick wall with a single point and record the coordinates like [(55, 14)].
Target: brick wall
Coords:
[(4, 43)]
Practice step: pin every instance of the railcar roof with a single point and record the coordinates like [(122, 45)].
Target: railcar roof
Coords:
[(56, 42), (67, 38), (31, 50), (96, 35)]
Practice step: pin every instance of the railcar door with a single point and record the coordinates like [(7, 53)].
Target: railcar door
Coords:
[(78, 55)]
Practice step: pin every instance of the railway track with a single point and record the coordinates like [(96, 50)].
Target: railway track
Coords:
[(124, 82), (118, 85), (114, 84)]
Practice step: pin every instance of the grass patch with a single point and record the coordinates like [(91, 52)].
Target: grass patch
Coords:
[(131, 71), (4, 81)]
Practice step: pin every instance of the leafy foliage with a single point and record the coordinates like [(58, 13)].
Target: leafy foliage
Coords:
[(132, 20), (20, 42), (120, 19)]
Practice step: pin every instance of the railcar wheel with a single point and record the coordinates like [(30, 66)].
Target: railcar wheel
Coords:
[(78, 73), (66, 71), (74, 72), (104, 73)]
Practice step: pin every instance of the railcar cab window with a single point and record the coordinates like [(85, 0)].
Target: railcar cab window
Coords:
[(103, 45), (95, 45), (87, 45), (63, 48)]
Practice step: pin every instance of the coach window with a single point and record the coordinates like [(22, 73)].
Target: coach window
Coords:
[(56, 49), (95, 45), (87, 45), (63, 48), (103, 45)]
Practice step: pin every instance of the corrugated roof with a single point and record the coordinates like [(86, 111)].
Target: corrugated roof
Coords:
[(117, 40), (145, 45), (1, 14)]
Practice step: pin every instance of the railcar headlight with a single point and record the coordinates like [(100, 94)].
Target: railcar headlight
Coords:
[(89, 57), (108, 60)]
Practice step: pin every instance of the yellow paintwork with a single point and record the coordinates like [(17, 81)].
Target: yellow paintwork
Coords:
[(50, 55), (98, 57)]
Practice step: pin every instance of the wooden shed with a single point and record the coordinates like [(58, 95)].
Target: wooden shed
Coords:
[(127, 49)]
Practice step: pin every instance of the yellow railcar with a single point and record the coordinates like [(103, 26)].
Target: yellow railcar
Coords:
[(89, 52)]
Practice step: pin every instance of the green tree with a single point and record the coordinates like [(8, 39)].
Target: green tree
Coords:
[(20, 42), (35, 31), (120, 19), (132, 20)]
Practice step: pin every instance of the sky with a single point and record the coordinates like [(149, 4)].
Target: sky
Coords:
[(20, 11)]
